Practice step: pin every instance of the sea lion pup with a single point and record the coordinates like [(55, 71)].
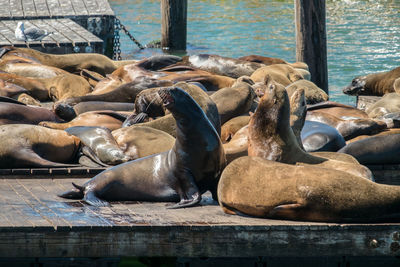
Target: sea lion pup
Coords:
[(183, 173), (104, 118), (313, 93), (234, 101), (381, 149), (373, 84), (167, 123), (124, 93), (258, 187), (231, 127), (224, 66), (35, 146), (271, 137), (11, 113), (348, 128), (141, 141), (280, 73), (339, 110), (71, 62), (99, 145)]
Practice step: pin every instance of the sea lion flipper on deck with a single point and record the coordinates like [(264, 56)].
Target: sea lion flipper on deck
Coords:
[(190, 194), (76, 193), (91, 199), (88, 152)]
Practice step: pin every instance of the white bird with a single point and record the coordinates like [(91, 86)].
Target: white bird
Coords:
[(29, 34)]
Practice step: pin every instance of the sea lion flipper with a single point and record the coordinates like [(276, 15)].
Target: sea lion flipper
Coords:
[(285, 211), (87, 151), (91, 199), (135, 119), (184, 203)]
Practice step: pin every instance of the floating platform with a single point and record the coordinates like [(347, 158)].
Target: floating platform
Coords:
[(34, 222), (86, 25)]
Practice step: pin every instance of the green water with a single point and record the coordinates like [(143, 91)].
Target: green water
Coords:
[(362, 36)]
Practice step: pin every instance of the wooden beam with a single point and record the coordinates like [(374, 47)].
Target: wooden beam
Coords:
[(311, 39), (173, 24)]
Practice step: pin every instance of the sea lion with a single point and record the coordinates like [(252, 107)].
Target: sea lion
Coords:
[(373, 84), (30, 70), (234, 101), (237, 146), (389, 103), (100, 144), (348, 128), (280, 73), (298, 111), (10, 89), (167, 123), (35, 87), (27, 146), (11, 113), (28, 100), (258, 187), (271, 137), (66, 86), (71, 62), (385, 132), (183, 173), (106, 118), (229, 128), (211, 82), (339, 110), (313, 93), (384, 149), (141, 141), (317, 136)]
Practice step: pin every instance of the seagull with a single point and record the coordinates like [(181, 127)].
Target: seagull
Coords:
[(30, 34)]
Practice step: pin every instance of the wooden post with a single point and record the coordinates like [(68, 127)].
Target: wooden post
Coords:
[(311, 39), (173, 28)]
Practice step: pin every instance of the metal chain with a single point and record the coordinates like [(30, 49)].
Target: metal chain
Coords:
[(117, 44)]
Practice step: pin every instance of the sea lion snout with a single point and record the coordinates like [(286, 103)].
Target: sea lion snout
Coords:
[(166, 96), (356, 86)]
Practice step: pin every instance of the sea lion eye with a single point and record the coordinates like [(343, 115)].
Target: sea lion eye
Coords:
[(272, 87)]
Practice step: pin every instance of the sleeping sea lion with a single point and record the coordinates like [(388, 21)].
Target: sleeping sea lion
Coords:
[(183, 173)]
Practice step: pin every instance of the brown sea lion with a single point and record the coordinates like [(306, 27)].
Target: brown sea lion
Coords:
[(389, 103), (262, 188), (11, 113), (10, 89), (385, 132), (141, 141), (30, 70), (229, 128), (373, 84), (273, 60), (28, 100), (238, 145), (313, 93), (66, 86), (280, 73), (99, 144), (71, 62), (35, 87), (348, 128), (183, 173), (35, 146), (234, 101), (107, 118), (339, 110), (298, 111), (270, 136)]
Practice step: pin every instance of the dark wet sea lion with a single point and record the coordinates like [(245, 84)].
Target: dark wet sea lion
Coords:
[(373, 84), (35, 146), (262, 188), (271, 137), (100, 144), (384, 149), (105, 118), (141, 141), (183, 173), (318, 136), (11, 113), (348, 128)]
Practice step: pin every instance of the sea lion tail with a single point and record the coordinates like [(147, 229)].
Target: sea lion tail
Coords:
[(77, 193)]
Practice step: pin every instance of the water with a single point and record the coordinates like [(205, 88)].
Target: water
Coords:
[(362, 36)]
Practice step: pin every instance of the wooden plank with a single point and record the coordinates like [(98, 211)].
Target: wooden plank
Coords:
[(55, 8), (3, 39), (104, 7), (66, 32), (5, 10), (12, 24), (28, 8), (49, 39), (18, 212), (16, 8), (35, 203), (92, 7), (67, 7), (42, 10), (8, 32), (79, 30), (79, 7)]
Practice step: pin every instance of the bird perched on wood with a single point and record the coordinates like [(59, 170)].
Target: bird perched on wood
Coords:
[(30, 34)]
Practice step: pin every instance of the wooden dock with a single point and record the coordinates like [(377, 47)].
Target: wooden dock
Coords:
[(34, 222), (78, 25)]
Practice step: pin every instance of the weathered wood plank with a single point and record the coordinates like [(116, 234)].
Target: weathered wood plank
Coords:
[(28, 8), (3, 39), (16, 8), (104, 7), (66, 31), (55, 9), (66, 7), (92, 7), (5, 10), (12, 24), (79, 7), (80, 31), (41, 8), (8, 32)]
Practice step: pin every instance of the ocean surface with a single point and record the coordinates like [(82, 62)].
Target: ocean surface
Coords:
[(362, 36)]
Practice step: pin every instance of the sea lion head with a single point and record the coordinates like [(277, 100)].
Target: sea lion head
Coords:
[(356, 87)]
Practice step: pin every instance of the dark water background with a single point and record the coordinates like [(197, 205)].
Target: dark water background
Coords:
[(363, 36)]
